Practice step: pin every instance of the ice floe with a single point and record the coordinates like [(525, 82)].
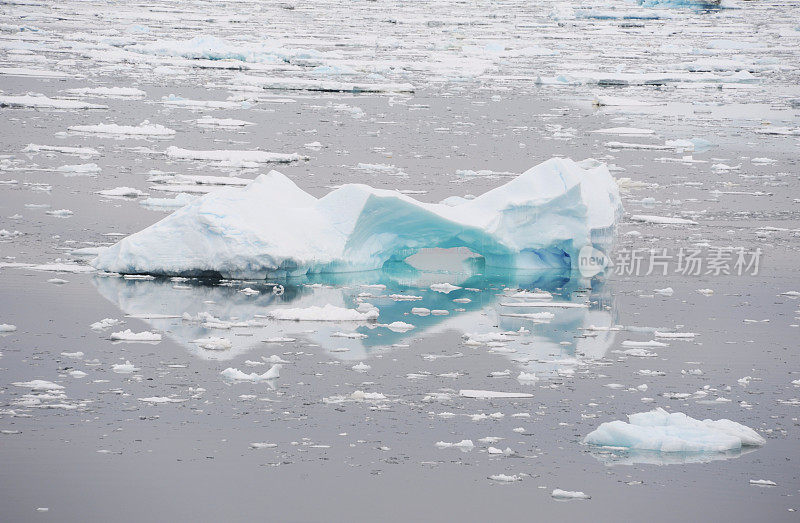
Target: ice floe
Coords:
[(659, 430), (568, 494), (490, 394), (129, 335), (232, 157), (41, 101), (144, 129)]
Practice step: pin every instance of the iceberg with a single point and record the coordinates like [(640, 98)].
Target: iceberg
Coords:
[(272, 228), (659, 430)]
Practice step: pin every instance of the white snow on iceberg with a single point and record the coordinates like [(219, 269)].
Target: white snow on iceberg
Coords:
[(659, 430), (541, 219)]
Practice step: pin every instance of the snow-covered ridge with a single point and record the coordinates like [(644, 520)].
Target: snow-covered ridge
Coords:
[(541, 219)]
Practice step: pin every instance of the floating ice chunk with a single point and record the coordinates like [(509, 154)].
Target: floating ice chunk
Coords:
[(667, 291), (24, 71), (307, 84), (259, 445), (79, 169), (675, 335), (505, 478), (624, 131), (445, 288), (124, 368), (61, 213), (41, 101), (129, 335), (63, 267), (274, 359), (76, 355), (233, 156), (210, 50), (367, 396), (546, 304), (527, 376), (7, 327), (639, 353), (111, 92), (568, 494), (237, 375), (104, 324), (77, 151), (647, 344), (706, 292), (38, 385), (490, 394), (123, 192), (619, 101), (327, 313), (539, 220), (464, 444), (144, 129), (661, 220), (661, 431), (399, 326), (763, 482), (784, 131), (361, 367), (208, 121), (162, 399), (404, 297), (213, 343), (177, 101), (180, 200), (278, 339)]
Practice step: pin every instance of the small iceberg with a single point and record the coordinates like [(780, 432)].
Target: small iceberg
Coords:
[(272, 228), (661, 431)]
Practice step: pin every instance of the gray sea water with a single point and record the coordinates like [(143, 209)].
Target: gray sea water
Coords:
[(498, 88)]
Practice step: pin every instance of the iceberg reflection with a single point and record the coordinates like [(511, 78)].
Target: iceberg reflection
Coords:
[(224, 319), (615, 457)]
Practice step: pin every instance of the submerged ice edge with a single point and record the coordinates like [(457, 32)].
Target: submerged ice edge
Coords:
[(272, 228)]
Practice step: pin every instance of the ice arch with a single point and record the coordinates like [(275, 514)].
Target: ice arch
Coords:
[(272, 228)]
